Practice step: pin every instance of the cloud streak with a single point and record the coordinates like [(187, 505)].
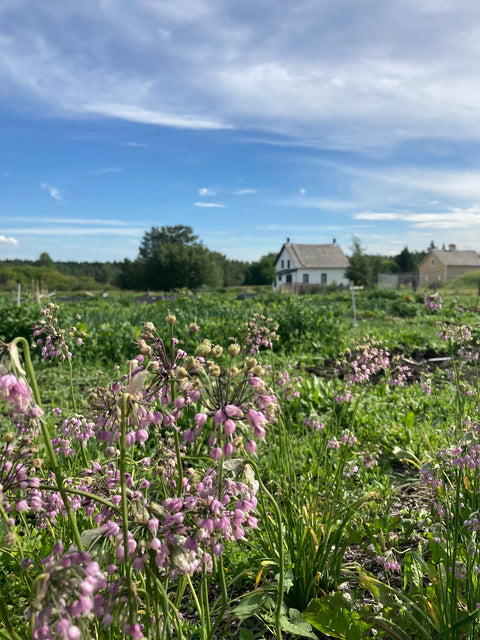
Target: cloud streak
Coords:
[(210, 205), (53, 191)]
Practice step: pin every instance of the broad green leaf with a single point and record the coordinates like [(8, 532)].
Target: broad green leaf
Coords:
[(249, 606), (296, 625), (333, 616)]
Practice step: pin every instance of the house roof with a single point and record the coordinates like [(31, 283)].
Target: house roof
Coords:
[(455, 258), (316, 256)]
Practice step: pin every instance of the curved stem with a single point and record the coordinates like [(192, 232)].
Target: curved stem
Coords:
[(124, 504), (48, 443)]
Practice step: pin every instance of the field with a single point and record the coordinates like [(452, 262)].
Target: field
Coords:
[(213, 467)]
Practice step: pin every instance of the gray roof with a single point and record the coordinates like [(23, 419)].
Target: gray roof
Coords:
[(456, 258), (317, 256)]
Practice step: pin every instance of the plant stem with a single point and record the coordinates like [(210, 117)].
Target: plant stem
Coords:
[(48, 443), (6, 619), (124, 504)]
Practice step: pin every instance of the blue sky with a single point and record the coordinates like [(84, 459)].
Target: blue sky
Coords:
[(249, 121)]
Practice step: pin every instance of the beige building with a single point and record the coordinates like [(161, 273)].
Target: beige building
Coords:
[(445, 265)]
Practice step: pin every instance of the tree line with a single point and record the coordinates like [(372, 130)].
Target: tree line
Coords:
[(173, 257), (170, 257)]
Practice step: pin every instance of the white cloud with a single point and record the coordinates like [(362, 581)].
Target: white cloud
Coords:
[(135, 113), (107, 170), (77, 231), (297, 69), (245, 192), (210, 205), (8, 240), (303, 192), (53, 191), (204, 191), (454, 219)]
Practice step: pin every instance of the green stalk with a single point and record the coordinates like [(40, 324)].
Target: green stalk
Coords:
[(124, 504), (6, 620), (72, 392), (281, 553), (203, 622), (48, 443)]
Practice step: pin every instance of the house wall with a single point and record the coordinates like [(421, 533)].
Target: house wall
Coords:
[(456, 272), (315, 276), (428, 273)]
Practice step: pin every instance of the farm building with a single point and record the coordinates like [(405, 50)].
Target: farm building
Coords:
[(444, 265), (302, 265)]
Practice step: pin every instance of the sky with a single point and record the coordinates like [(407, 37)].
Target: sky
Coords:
[(250, 121)]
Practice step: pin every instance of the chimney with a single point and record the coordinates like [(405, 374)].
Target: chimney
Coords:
[(452, 247), (334, 241), (288, 240)]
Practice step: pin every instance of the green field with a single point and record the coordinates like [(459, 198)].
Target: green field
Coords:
[(213, 466)]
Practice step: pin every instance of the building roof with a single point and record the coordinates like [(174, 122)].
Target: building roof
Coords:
[(455, 258), (316, 256)]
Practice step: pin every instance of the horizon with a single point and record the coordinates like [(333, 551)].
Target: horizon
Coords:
[(248, 122)]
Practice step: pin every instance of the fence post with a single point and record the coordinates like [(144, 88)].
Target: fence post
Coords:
[(355, 323), (19, 291)]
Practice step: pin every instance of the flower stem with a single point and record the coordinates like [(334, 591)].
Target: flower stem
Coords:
[(124, 504), (48, 443)]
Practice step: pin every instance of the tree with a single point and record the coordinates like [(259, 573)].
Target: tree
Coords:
[(262, 271), (178, 234), (406, 261), (45, 260), (360, 270)]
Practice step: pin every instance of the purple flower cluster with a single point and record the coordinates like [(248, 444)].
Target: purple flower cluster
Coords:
[(368, 361), (17, 395), (50, 337), (68, 593), (313, 421), (261, 332), (74, 429), (432, 301)]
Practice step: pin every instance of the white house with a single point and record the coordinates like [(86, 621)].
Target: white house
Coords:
[(310, 264)]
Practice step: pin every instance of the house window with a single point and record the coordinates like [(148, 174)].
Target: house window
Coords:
[(432, 262), (323, 278), (279, 278), (289, 279), (283, 263), (305, 278), (288, 264)]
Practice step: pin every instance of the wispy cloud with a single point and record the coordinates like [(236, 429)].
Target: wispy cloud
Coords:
[(99, 172), (454, 219), (210, 205), (245, 192), (78, 231), (8, 240), (134, 113), (339, 83), (140, 145), (53, 191), (69, 221), (205, 191), (303, 192)]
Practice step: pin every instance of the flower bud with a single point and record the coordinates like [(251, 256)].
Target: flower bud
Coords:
[(9, 437), (234, 349), (170, 319), (149, 326), (217, 351), (204, 348), (193, 327), (180, 372)]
